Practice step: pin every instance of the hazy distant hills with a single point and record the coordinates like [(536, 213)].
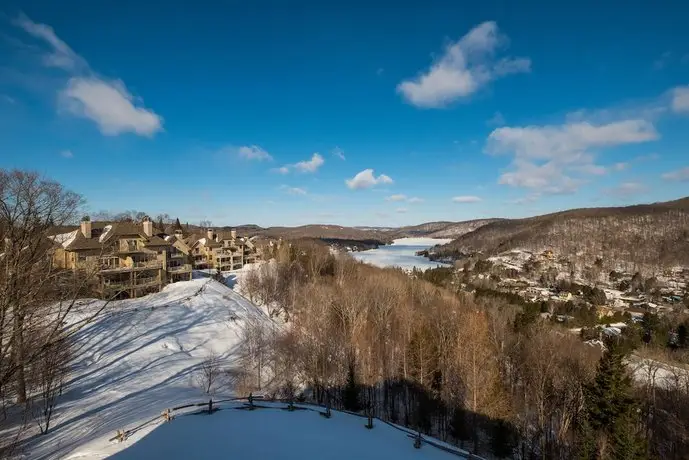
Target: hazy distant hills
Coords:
[(645, 236)]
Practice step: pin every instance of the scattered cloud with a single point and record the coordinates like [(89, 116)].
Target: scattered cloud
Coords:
[(61, 55), (107, 102), (627, 189), (496, 120), (306, 166), (415, 199), (466, 199), (401, 210), (680, 99), (253, 152), (681, 175), (620, 166), (398, 197), (109, 105), (366, 179), (662, 61), (67, 154), (281, 170), (339, 153), (8, 99), (293, 190), (545, 158), (465, 67), (310, 166)]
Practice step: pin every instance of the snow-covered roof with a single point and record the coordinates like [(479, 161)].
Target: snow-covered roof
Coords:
[(65, 239), (104, 235)]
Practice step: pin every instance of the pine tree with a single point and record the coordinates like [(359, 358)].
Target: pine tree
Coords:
[(350, 398), (611, 411), (502, 439), (460, 428)]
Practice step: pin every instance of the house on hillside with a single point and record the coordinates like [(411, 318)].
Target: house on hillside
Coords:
[(222, 251), (129, 258)]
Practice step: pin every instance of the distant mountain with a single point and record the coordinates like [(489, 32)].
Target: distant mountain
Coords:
[(647, 236)]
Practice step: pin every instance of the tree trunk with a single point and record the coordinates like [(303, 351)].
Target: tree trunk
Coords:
[(18, 349)]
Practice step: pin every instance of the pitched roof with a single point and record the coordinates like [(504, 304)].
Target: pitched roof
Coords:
[(156, 241)]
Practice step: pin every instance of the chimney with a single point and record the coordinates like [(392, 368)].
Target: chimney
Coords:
[(233, 233), (148, 226), (86, 227), (209, 234), (217, 237)]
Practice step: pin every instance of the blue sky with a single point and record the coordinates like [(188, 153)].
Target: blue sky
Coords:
[(287, 113)]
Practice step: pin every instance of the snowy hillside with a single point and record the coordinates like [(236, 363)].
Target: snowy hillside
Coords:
[(273, 433), (141, 356)]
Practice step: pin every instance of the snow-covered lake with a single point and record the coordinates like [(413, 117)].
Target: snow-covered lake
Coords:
[(402, 253)]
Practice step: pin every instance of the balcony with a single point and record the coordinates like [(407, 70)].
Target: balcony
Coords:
[(177, 255), (136, 266), (179, 268)]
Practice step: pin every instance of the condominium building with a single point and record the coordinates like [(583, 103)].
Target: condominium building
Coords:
[(129, 258), (134, 259)]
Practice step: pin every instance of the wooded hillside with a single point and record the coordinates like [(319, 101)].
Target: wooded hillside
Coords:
[(645, 236)]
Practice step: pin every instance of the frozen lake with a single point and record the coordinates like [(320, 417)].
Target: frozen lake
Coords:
[(402, 253)]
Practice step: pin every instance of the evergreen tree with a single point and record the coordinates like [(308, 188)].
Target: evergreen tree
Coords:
[(460, 428), (611, 411), (350, 398), (502, 439), (682, 336), (178, 226)]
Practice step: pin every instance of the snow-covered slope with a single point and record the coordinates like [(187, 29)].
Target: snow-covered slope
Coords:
[(277, 434), (140, 357)]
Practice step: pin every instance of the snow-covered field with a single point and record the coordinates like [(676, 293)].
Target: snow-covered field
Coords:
[(402, 253), (139, 358), (275, 433)]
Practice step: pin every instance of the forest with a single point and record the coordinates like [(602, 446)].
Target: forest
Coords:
[(644, 238), (475, 370)]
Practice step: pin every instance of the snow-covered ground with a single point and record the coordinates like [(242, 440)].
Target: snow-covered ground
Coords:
[(402, 253), (275, 433), (138, 358)]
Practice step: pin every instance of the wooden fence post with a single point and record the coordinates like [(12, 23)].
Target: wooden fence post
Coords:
[(251, 401), (417, 441), (210, 406)]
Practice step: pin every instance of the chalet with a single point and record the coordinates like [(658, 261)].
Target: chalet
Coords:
[(130, 260)]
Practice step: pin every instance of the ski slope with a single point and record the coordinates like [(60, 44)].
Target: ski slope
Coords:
[(138, 358), (274, 433)]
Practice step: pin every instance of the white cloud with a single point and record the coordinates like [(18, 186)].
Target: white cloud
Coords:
[(306, 166), (681, 175), (67, 154), (680, 99), (310, 166), (366, 179), (110, 105), (620, 166), (627, 189), (61, 55), (466, 199), (546, 157), (339, 153), (253, 152), (293, 190), (465, 67), (401, 210), (104, 101), (398, 197), (415, 199)]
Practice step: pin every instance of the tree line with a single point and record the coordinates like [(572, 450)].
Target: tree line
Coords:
[(461, 367)]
